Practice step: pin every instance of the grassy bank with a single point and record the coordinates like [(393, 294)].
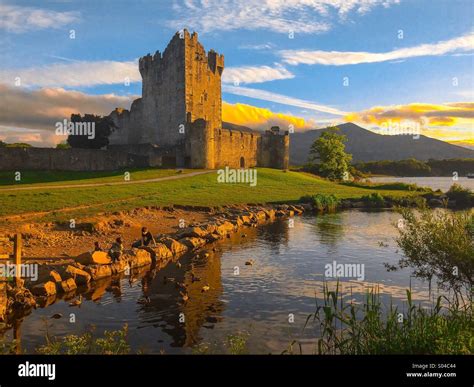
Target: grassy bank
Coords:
[(31, 178), (203, 190)]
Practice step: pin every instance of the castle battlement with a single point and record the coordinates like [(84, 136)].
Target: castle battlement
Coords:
[(181, 106)]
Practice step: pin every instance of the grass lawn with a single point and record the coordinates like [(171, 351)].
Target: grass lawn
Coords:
[(66, 177), (272, 186)]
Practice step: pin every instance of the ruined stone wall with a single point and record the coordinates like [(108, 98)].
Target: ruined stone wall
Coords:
[(21, 159), (235, 149), (274, 150)]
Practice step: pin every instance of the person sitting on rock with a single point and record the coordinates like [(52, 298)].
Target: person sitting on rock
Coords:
[(97, 247), (147, 238), (116, 250)]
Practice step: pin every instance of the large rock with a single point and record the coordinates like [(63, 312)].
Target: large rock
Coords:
[(225, 228), (67, 285), (193, 243), (99, 271), (174, 246), (162, 251), (193, 232), (94, 258), (80, 276), (45, 289), (119, 266), (55, 276), (138, 257)]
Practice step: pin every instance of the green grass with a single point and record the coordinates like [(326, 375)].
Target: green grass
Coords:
[(374, 329), (29, 178), (202, 190)]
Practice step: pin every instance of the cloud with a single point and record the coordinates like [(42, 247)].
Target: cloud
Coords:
[(41, 109), (281, 99), (452, 121), (447, 114), (73, 74), (85, 73), (19, 19), (261, 119), (39, 138), (255, 74), (281, 16), (341, 58)]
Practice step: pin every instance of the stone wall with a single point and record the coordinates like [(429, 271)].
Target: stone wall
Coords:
[(274, 149), (20, 159), (235, 149)]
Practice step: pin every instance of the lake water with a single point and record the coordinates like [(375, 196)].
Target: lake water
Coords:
[(442, 183), (286, 278)]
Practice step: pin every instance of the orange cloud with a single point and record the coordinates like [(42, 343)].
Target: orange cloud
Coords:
[(261, 118), (429, 114)]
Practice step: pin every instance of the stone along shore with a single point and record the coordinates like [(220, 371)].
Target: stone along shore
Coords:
[(90, 267)]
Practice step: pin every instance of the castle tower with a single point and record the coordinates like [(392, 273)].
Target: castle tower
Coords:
[(179, 86)]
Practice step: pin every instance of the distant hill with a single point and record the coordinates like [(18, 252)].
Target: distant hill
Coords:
[(365, 145)]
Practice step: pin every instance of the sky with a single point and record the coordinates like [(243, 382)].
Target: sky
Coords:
[(383, 64)]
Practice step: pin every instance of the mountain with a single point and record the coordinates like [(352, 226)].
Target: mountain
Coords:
[(365, 145)]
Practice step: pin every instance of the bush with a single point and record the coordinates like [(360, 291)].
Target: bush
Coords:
[(374, 200), (321, 202), (438, 245), (463, 196)]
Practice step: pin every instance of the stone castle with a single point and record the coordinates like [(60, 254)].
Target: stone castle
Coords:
[(178, 119)]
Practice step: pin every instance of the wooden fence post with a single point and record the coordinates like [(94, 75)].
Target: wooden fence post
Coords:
[(17, 244)]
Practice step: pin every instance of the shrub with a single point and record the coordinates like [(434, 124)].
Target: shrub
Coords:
[(321, 202), (438, 245), (463, 196), (374, 200)]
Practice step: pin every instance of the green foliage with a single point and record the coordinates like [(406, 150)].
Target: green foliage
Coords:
[(321, 202), (63, 146), (372, 329), (237, 343), (328, 151), (375, 200), (104, 126), (112, 343), (387, 186), (438, 244), (18, 145), (464, 197)]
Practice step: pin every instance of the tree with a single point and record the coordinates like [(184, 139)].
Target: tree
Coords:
[(82, 135), (328, 152)]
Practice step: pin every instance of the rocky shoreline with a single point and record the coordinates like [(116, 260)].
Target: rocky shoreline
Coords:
[(91, 267), (76, 274)]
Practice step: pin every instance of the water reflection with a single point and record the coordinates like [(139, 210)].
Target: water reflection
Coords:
[(286, 278)]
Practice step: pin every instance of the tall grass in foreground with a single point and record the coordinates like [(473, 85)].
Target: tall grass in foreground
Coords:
[(371, 328)]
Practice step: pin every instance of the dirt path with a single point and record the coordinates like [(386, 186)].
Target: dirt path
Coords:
[(157, 179)]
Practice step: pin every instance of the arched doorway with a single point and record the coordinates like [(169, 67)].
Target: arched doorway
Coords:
[(242, 162)]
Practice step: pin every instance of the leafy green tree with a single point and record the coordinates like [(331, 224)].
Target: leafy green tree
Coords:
[(103, 127), (329, 153)]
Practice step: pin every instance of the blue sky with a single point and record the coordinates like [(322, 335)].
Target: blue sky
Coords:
[(255, 38)]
